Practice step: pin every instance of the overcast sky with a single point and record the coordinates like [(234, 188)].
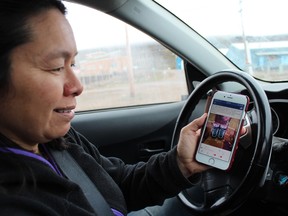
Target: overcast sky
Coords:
[(220, 17), (259, 16)]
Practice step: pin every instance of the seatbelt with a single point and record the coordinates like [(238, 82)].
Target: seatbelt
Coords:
[(76, 174)]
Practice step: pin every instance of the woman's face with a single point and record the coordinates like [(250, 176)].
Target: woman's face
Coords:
[(40, 105)]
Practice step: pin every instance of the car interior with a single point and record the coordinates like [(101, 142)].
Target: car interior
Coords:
[(140, 92)]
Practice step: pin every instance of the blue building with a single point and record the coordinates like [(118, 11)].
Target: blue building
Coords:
[(261, 56)]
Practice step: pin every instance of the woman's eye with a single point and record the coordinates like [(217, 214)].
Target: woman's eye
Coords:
[(57, 69), (73, 65)]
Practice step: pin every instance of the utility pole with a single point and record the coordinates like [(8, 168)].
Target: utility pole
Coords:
[(246, 47), (130, 64)]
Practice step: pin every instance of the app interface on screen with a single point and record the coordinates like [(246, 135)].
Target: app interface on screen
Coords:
[(221, 129)]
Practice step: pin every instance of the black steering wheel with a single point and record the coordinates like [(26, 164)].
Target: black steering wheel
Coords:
[(222, 192)]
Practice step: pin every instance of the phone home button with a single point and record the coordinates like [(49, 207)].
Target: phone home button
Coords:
[(211, 161)]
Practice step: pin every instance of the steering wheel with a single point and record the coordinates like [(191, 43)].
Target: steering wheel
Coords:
[(219, 191)]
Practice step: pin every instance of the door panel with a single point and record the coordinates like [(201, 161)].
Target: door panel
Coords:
[(132, 134)]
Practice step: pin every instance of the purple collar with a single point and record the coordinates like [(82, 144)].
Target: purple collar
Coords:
[(17, 151), (51, 164)]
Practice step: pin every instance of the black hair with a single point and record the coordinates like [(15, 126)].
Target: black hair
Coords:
[(15, 31)]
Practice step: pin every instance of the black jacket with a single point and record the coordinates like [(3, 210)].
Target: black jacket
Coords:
[(30, 187)]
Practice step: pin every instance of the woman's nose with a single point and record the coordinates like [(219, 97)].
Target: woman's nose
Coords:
[(73, 86)]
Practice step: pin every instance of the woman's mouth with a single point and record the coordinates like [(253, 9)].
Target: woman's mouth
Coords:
[(67, 113), (63, 110)]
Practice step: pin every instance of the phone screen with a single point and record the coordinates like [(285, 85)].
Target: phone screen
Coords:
[(221, 131)]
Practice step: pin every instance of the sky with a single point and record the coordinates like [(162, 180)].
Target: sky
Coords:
[(96, 28), (259, 16), (220, 17)]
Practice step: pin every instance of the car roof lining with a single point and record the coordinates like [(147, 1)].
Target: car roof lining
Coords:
[(105, 6)]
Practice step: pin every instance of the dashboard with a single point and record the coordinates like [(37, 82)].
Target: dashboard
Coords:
[(279, 111), (277, 94)]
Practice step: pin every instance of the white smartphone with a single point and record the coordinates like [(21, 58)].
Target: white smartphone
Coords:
[(221, 130)]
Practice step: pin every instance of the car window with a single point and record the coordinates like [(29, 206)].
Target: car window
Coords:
[(251, 33), (120, 66)]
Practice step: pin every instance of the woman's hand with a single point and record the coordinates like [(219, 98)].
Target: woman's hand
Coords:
[(187, 146)]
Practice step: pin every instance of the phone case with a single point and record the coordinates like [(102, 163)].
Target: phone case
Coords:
[(217, 130)]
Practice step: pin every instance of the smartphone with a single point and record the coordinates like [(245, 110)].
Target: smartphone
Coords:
[(221, 130)]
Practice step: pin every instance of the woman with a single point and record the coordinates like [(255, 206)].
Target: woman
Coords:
[(38, 96)]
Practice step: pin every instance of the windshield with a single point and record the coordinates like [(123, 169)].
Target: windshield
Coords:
[(251, 33)]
